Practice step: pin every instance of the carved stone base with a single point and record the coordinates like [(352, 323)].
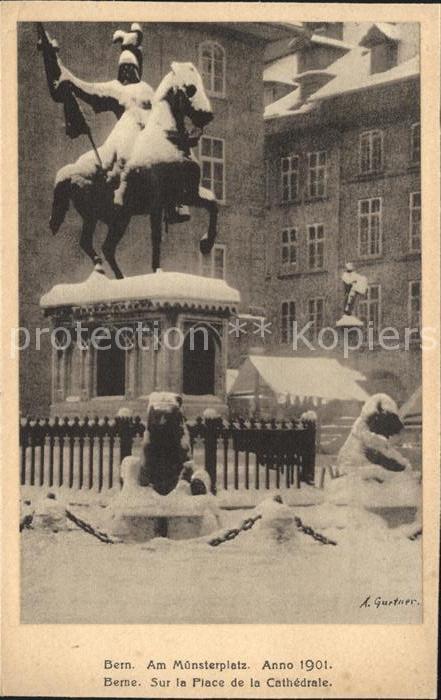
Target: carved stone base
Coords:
[(193, 406)]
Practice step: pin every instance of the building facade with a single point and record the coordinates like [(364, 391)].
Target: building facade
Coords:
[(230, 58), (343, 185)]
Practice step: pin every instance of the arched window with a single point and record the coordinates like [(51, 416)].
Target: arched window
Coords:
[(212, 67)]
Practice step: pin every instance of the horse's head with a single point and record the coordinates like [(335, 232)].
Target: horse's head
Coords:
[(184, 90)]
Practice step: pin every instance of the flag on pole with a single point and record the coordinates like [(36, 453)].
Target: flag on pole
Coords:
[(75, 122)]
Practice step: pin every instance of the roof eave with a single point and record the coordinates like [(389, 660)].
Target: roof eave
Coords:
[(266, 31), (316, 100)]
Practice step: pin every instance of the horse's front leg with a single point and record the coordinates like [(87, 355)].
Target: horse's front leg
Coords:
[(156, 233), (207, 200), (116, 231)]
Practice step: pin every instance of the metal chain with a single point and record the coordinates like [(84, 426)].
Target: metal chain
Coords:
[(228, 535), (234, 532), (312, 533), (249, 522), (102, 536)]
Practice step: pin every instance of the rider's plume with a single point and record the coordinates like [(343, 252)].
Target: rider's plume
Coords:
[(130, 44), (132, 38)]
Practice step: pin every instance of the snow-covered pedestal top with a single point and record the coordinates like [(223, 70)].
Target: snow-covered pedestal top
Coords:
[(159, 287), (349, 321)]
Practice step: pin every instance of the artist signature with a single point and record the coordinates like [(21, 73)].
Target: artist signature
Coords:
[(396, 602)]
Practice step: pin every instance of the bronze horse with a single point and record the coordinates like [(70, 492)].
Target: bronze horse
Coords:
[(163, 174)]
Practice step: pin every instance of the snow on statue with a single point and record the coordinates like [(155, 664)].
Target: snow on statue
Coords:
[(372, 472), (166, 443), (165, 174), (153, 144), (355, 285), (128, 98), (368, 450)]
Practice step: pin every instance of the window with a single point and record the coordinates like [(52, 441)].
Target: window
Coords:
[(415, 220), (289, 247), (212, 156), (369, 308), (369, 227), (317, 174), (415, 305), (289, 178), (212, 67), (316, 247), (316, 312), (371, 151), (415, 143), (214, 264), (288, 316)]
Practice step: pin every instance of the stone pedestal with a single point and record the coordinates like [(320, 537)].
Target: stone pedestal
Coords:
[(116, 341)]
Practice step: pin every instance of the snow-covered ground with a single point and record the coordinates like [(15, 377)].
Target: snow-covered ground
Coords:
[(259, 577)]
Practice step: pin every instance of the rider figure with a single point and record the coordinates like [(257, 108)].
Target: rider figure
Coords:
[(129, 99)]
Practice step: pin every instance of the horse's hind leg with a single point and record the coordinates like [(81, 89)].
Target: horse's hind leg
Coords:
[(87, 232), (116, 231), (60, 204)]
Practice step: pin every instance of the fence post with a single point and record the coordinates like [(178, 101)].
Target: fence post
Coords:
[(309, 453), (125, 436), (212, 424)]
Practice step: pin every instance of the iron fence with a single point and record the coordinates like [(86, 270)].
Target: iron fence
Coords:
[(86, 454)]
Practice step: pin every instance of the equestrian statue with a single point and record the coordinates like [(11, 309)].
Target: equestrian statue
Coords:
[(146, 165)]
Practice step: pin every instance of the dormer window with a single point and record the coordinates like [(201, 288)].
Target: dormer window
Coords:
[(383, 57), (382, 39)]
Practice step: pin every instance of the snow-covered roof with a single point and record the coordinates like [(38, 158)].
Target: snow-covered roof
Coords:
[(353, 66), (287, 106), (158, 288), (353, 74), (313, 72), (319, 377), (321, 40), (280, 71), (301, 38)]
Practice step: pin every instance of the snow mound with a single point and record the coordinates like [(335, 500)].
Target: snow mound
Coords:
[(277, 523), (50, 514), (400, 489)]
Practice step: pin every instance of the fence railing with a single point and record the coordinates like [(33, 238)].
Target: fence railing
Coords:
[(86, 454)]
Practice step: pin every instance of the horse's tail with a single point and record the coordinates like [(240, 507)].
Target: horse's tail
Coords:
[(60, 204)]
